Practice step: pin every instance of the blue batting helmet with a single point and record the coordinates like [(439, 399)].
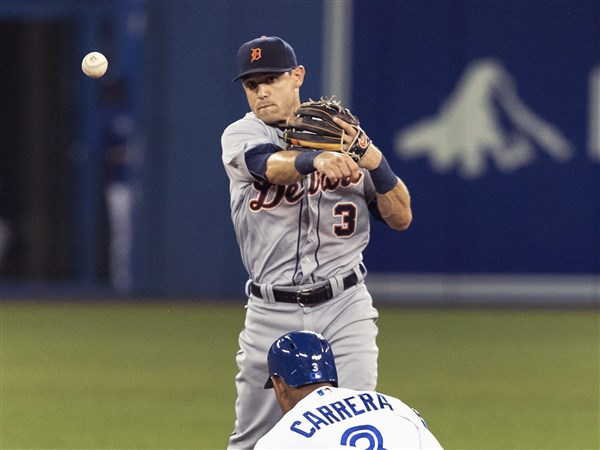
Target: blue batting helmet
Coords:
[(301, 358)]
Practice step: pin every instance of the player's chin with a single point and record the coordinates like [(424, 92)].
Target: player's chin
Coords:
[(269, 117)]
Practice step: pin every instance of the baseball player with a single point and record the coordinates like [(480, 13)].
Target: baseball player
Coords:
[(302, 221), (318, 414)]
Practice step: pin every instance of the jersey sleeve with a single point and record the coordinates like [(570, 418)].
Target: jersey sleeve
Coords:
[(240, 137)]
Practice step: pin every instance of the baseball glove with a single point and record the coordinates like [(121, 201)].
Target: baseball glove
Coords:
[(311, 127)]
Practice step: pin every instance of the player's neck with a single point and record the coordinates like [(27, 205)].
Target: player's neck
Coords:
[(298, 394)]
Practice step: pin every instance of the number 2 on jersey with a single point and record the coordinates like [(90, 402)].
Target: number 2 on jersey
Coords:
[(367, 434)]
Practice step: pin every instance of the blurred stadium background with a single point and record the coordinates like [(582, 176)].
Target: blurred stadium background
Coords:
[(120, 277)]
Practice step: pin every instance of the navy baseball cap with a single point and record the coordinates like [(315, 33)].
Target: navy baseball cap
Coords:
[(265, 54)]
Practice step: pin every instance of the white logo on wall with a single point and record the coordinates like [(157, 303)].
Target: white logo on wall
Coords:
[(482, 120)]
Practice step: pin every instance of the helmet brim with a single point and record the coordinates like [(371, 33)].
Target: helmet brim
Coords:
[(269, 384)]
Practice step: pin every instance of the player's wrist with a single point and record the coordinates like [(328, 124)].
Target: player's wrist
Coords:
[(371, 158), (383, 177), (305, 162)]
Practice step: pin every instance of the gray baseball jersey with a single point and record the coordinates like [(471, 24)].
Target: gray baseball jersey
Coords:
[(339, 418), (302, 233), (305, 234)]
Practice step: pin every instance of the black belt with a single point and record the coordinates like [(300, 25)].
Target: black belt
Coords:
[(306, 296)]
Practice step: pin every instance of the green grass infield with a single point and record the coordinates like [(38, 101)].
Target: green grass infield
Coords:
[(161, 375)]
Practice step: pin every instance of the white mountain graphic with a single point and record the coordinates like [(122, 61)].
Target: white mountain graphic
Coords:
[(482, 119)]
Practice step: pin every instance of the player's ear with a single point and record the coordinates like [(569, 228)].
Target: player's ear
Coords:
[(297, 74), (278, 385), (282, 394)]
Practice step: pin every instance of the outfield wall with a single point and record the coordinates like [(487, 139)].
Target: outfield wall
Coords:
[(488, 111)]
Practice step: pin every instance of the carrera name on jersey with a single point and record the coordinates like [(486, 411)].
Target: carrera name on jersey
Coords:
[(338, 411)]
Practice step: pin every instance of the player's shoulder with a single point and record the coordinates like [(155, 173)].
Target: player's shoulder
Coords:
[(247, 133), (246, 124), (275, 436), (385, 402)]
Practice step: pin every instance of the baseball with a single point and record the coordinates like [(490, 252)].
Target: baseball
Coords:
[(94, 64)]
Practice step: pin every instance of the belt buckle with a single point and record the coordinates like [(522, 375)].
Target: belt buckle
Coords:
[(303, 293)]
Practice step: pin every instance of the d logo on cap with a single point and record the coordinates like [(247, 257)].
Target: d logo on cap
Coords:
[(256, 54)]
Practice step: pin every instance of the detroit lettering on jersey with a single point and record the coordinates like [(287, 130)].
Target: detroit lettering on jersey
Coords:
[(338, 411), (271, 195)]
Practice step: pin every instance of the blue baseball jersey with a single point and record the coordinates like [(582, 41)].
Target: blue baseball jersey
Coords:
[(331, 418)]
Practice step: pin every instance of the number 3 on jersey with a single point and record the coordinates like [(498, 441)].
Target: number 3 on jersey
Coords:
[(347, 211), (367, 434)]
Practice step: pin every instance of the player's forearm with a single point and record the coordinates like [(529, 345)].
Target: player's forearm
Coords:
[(394, 207), (393, 198), (281, 169)]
